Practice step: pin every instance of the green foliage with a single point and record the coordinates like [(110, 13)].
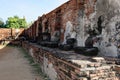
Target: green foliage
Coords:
[(16, 22), (1, 23)]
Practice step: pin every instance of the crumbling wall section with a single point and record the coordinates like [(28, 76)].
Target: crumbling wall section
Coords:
[(110, 42), (102, 17), (58, 18), (78, 19), (6, 33), (62, 65)]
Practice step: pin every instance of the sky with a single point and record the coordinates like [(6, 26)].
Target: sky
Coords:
[(31, 9)]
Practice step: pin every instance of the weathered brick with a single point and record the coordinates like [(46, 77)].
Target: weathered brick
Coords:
[(82, 78), (68, 70)]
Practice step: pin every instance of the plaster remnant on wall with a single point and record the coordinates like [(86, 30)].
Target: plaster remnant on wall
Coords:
[(110, 11), (49, 69), (79, 17), (31, 52), (69, 32), (104, 20), (81, 29)]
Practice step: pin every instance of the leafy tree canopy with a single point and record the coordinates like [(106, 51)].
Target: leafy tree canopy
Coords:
[(16, 22), (1, 23)]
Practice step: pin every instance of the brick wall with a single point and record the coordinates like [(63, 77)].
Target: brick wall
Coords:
[(4, 33), (71, 66), (11, 36), (82, 16), (7, 33)]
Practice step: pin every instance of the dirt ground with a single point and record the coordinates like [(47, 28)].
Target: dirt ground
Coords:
[(13, 65)]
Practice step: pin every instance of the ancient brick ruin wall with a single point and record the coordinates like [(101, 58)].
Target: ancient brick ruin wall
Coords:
[(6, 33), (103, 17), (80, 16), (77, 17), (59, 17), (100, 16), (70, 66)]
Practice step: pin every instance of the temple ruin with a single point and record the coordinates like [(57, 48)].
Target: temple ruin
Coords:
[(79, 40), (78, 19)]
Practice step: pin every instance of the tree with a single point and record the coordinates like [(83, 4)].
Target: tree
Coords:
[(22, 23), (16, 22), (1, 23)]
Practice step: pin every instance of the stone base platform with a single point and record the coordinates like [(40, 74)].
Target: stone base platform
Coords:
[(67, 65)]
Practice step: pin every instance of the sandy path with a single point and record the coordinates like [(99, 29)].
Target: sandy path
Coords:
[(13, 66)]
